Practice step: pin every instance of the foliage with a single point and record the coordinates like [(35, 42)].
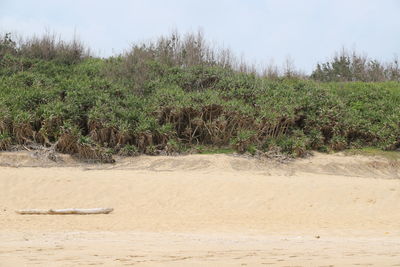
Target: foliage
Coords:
[(350, 66), (170, 97)]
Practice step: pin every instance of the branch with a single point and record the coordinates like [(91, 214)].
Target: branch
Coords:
[(64, 211)]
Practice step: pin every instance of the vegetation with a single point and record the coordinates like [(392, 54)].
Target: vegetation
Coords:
[(178, 94), (350, 66), (370, 151)]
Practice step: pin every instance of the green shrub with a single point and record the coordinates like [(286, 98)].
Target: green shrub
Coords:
[(155, 99), (243, 140)]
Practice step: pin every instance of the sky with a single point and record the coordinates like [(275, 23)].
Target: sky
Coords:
[(261, 31)]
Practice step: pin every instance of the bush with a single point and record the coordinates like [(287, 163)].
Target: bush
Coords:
[(48, 47), (349, 66), (157, 98)]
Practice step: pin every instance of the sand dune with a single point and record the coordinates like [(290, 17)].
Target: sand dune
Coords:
[(202, 209)]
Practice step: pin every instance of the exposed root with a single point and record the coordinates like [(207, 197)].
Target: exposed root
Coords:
[(5, 143), (67, 143), (93, 154)]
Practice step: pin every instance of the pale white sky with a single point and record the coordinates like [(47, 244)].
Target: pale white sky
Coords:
[(307, 31)]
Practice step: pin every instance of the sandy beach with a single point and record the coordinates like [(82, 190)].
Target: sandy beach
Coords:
[(202, 210)]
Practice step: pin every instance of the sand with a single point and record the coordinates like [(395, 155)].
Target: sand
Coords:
[(202, 210)]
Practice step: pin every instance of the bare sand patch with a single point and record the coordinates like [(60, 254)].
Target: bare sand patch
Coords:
[(202, 209)]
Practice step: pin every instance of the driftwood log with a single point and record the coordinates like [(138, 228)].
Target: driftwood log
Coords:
[(65, 211)]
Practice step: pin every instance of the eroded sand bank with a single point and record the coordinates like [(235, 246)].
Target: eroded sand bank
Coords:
[(202, 209)]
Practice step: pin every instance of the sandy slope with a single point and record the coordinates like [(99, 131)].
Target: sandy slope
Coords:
[(202, 209)]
